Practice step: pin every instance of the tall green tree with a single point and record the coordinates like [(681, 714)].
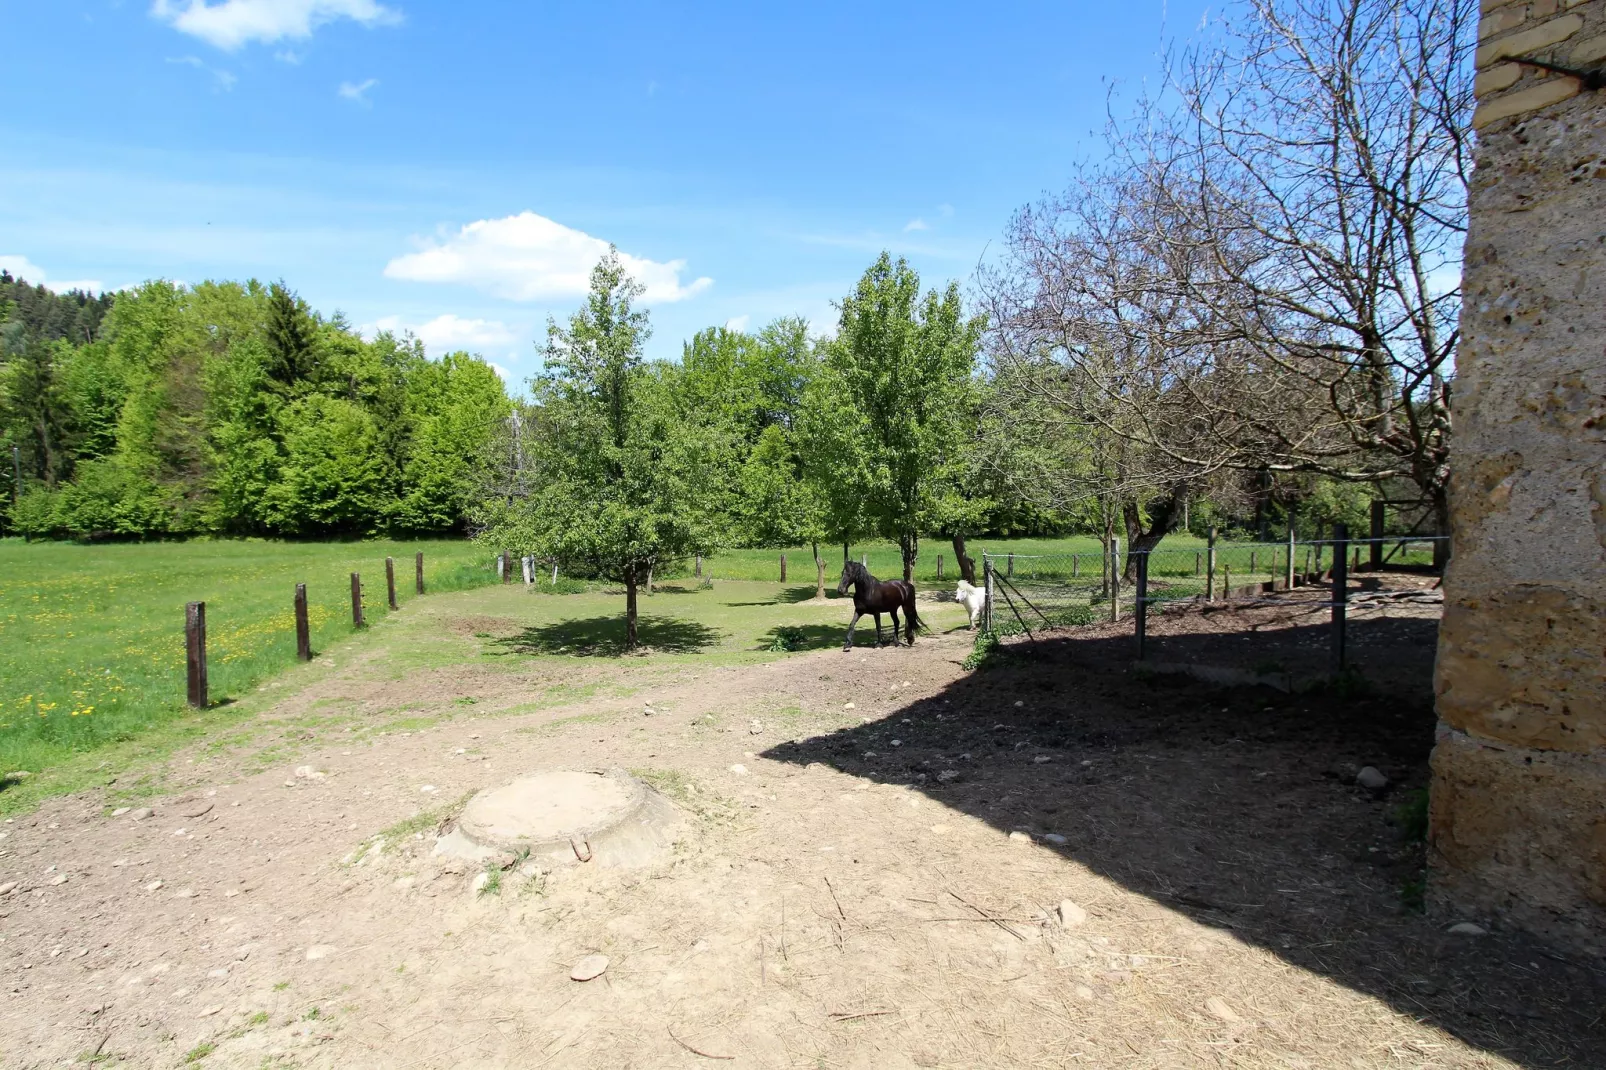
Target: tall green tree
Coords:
[(907, 365), (616, 475)]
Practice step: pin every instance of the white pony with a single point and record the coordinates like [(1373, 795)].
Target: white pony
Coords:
[(973, 599)]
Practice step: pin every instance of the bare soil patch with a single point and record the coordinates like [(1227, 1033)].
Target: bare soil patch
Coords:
[(874, 886)]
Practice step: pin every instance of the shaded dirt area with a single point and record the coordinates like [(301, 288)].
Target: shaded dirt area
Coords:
[(848, 891)]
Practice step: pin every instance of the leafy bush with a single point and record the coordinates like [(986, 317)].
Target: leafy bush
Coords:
[(788, 637), (988, 653)]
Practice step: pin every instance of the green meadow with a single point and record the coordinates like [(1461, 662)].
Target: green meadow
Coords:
[(92, 637)]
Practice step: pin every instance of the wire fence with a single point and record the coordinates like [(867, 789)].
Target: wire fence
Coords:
[(1036, 593)]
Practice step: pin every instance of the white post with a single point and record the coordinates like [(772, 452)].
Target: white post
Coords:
[(527, 564), (987, 589), (1115, 578)]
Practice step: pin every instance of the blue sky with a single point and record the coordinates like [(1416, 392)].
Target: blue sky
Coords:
[(453, 168)]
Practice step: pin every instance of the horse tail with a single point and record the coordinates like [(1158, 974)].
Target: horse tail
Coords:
[(912, 617)]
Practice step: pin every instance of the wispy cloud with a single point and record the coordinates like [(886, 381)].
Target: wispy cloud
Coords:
[(737, 323), (528, 257), (222, 81), (945, 210), (288, 55), (23, 268), (916, 224), (357, 91), (231, 23), (448, 332)]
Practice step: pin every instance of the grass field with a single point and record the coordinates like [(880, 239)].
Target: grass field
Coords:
[(92, 637)]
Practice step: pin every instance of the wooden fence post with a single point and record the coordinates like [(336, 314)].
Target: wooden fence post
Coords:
[(1076, 565), (1254, 562), (1115, 578), (1140, 607), (1009, 568), (195, 652), (1340, 592), (783, 568), (507, 566), (1375, 548), (356, 600), (418, 571), (1226, 583), (939, 566), (1210, 565), (698, 573), (1289, 565), (303, 629), (390, 581), (1198, 563)]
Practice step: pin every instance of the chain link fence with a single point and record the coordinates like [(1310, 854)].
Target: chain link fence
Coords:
[(1031, 594)]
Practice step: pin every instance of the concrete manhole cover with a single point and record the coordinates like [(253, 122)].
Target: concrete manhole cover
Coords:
[(563, 817)]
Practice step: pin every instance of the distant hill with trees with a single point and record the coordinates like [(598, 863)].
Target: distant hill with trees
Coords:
[(229, 408)]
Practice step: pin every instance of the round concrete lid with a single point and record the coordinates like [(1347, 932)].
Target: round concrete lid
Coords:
[(550, 807)]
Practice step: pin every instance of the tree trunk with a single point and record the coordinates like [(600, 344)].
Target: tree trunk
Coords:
[(967, 564), (630, 609), (910, 545), (845, 558), (1141, 541), (819, 572), (1441, 521)]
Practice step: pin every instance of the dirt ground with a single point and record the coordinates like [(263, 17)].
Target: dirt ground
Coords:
[(874, 885)]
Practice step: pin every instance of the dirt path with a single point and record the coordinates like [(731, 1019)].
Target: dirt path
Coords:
[(875, 886)]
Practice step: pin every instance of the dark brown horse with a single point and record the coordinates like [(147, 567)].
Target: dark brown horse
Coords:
[(871, 595)]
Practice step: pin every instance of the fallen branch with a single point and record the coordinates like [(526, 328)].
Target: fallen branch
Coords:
[(697, 1051)]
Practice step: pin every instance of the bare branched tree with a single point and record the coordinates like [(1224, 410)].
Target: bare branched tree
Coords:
[(1266, 274)]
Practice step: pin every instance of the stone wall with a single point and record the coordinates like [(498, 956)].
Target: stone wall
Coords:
[(1518, 814)]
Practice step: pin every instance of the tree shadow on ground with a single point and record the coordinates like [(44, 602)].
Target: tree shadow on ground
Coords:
[(804, 636), (1238, 807), (789, 596), (605, 637)]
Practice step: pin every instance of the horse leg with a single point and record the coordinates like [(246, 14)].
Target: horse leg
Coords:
[(878, 630), (851, 625), (894, 625)]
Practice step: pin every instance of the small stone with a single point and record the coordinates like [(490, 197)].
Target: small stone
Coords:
[(214, 1009), (307, 772), (460, 750), (1467, 928), (231, 893), (429, 789), (871, 754), (897, 743), (1083, 992), (141, 814), (120, 811), (59, 879), (319, 951), (1371, 779), (589, 968), (1023, 838), (404, 882), (196, 809), (8, 887), (184, 893), (1071, 916), (1218, 1009), (849, 706), (906, 683), (948, 774), (218, 974), (1019, 703), (740, 770), (480, 881), (1040, 759), (1055, 838), (154, 886), (755, 728)]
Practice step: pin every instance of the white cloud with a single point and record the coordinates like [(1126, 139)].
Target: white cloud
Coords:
[(501, 372), (222, 81), (231, 23), (737, 323), (288, 55), (357, 92), (916, 224), (449, 332), (23, 268), (527, 257)]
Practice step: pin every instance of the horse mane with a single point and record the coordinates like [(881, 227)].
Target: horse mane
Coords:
[(859, 573)]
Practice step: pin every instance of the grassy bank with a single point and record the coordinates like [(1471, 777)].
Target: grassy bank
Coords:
[(92, 637)]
